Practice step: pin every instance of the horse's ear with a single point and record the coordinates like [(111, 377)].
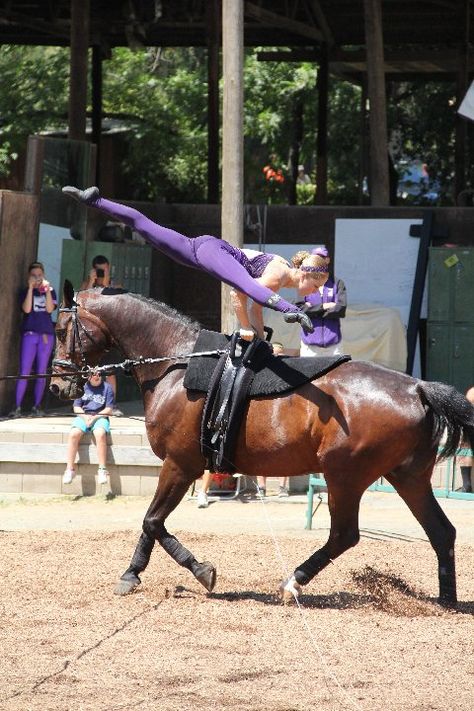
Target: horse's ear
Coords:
[(68, 294)]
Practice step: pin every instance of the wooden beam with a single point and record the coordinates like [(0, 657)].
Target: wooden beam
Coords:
[(284, 23), (232, 139), (378, 139), (322, 22), (295, 55), (17, 18)]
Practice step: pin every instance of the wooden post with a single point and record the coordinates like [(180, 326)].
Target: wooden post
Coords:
[(78, 69), (461, 88), (232, 139), (363, 162), (321, 196), (378, 142), (294, 157), (97, 105), (213, 44), (19, 221)]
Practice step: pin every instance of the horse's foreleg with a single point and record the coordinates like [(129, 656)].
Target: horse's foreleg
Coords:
[(140, 559), (172, 486), (344, 533), (418, 496)]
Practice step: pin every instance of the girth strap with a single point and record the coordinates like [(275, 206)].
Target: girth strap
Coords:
[(226, 400)]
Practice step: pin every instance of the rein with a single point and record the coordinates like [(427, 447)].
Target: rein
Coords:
[(85, 370), (125, 365)]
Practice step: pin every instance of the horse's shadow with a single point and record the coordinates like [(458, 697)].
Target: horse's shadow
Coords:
[(339, 601), (333, 601)]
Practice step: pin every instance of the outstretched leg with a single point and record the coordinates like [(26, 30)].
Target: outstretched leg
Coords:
[(344, 533), (418, 496), (214, 256), (172, 486)]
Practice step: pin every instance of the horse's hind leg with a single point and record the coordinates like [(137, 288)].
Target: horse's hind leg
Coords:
[(418, 496), (172, 486), (344, 533)]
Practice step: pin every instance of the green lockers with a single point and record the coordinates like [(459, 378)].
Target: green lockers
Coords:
[(450, 328), (130, 264)]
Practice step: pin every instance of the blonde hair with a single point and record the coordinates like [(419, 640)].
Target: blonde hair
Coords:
[(298, 258), (315, 260)]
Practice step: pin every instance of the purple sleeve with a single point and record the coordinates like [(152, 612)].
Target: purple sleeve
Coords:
[(77, 402)]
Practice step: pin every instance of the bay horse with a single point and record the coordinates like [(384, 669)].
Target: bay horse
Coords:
[(358, 422)]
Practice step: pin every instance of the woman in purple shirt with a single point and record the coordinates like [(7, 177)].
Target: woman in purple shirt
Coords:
[(37, 302), (250, 273), (325, 306)]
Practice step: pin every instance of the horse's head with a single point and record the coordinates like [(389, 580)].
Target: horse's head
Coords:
[(81, 340)]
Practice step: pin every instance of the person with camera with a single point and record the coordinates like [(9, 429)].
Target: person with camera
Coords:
[(99, 276), (37, 302)]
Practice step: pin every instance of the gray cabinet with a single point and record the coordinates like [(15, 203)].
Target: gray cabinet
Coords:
[(450, 328)]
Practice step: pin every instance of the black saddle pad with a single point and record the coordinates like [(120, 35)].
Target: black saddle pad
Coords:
[(278, 374)]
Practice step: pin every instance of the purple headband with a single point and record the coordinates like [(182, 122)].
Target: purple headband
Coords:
[(319, 270), (320, 251)]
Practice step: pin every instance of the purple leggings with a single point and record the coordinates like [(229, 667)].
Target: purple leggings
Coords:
[(34, 346), (210, 254)]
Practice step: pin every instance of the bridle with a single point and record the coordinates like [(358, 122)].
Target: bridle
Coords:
[(84, 370)]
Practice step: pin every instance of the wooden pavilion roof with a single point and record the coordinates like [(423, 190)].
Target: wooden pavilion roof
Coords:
[(420, 36)]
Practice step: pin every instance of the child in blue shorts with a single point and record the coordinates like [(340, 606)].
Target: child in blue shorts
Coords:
[(92, 411)]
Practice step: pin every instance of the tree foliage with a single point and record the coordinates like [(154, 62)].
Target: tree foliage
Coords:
[(33, 96), (160, 99)]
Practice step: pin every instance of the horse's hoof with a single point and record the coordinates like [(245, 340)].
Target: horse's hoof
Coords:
[(206, 574), (289, 590), (127, 585)]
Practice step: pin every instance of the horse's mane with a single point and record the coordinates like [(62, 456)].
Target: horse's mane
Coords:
[(164, 309)]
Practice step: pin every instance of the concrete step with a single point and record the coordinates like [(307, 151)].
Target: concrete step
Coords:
[(33, 456)]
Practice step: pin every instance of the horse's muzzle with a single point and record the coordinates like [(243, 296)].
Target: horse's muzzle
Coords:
[(66, 390)]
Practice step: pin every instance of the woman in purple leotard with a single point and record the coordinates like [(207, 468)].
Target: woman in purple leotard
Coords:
[(250, 273), (37, 302)]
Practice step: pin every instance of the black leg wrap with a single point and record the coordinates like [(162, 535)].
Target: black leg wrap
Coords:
[(311, 567), (175, 549), (142, 554), (447, 585)]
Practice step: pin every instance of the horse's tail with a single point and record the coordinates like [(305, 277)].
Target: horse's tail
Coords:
[(452, 412)]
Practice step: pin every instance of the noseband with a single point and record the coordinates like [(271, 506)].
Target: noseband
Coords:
[(83, 371)]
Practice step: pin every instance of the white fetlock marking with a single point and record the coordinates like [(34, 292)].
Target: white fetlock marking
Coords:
[(290, 589)]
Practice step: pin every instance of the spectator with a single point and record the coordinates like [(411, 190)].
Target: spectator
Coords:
[(325, 307), (207, 478), (99, 276), (283, 490), (202, 498), (302, 178), (37, 302), (92, 411), (465, 463)]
